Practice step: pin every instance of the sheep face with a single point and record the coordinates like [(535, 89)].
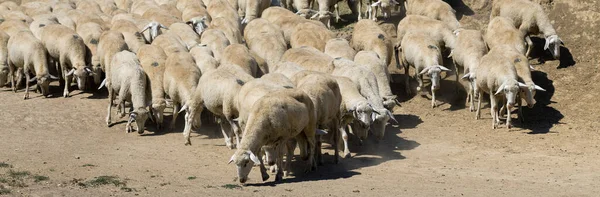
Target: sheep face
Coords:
[(434, 73), (360, 129), (244, 160), (158, 112), (44, 84), (363, 112), (389, 102), (199, 25), (154, 28), (529, 92), (553, 44), (139, 116), (379, 122), (81, 74), (510, 89)]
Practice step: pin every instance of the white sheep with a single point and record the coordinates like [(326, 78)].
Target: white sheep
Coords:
[(265, 40), (155, 30), (133, 37), (501, 31), (189, 37), (229, 27), (239, 55), (531, 19), (286, 68), (216, 40), (13, 27), (111, 42), (308, 34), (367, 35), (153, 61), (384, 5), (254, 8), (17, 15), (222, 8), (90, 32), (371, 61), (286, 20), (170, 43), (339, 47), (470, 47), (310, 58), (203, 56), (161, 16), (39, 22), (127, 79), (435, 29), (291, 114), (435, 9), (199, 24)]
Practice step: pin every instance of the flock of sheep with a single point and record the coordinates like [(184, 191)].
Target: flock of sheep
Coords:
[(274, 79)]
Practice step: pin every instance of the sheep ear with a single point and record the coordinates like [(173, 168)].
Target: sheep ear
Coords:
[(499, 89), (184, 108), (102, 84), (547, 44), (145, 28), (389, 113), (376, 4), (53, 77), (189, 22), (538, 88), (451, 53), (314, 16), (522, 85), (253, 157), (231, 159), (425, 70), (467, 76), (32, 79), (373, 116), (395, 2), (531, 68), (321, 132), (70, 72), (87, 69), (444, 68), (162, 26)]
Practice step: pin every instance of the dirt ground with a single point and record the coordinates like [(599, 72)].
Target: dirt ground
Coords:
[(62, 147)]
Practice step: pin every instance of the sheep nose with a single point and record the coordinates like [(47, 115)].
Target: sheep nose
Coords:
[(243, 180)]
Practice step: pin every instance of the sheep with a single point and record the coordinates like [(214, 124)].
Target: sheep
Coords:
[(171, 10), (155, 30), (370, 60), (187, 34), (339, 47), (367, 83), (266, 40), (153, 59), (27, 53), (216, 40), (192, 12), (179, 82), (325, 94), (140, 7), (39, 22), (127, 79), (367, 35), (108, 6), (65, 20), (384, 5), (133, 37), (435, 9), (470, 47), (88, 6), (298, 122), (355, 107), (183, 4), (324, 14), (254, 8), (423, 53), (308, 34), (90, 32), (220, 99), (309, 58), (203, 56), (17, 15), (496, 75), (13, 27), (222, 8), (4, 70), (62, 7), (159, 15), (435, 29), (501, 31), (81, 17), (199, 24), (170, 43), (124, 4), (67, 48), (286, 20), (229, 27), (110, 43), (530, 19), (36, 8), (9, 5), (239, 55)]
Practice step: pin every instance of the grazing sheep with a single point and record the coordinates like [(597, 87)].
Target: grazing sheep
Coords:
[(531, 19), (133, 37), (90, 32), (254, 8), (423, 53), (39, 22), (17, 15), (239, 55), (229, 27), (368, 36), (203, 56), (170, 43), (127, 79), (384, 5), (496, 75), (216, 40), (370, 60), (273, 120), (179, 82), (285, 20), (435, 29), (221, 99), (65, 20), (4, 70), (222, 8), (308, 34), (470, 47), (310, 58), (501, 31), (339, 47), (325, 94), (287, 69), (265, 40), (171, 10), (13, 27), (189, 37), (153, 59), (27, 53), (435, 9), (367, 83), (111, 42), (67, 48), (161, 16), (9, 5)]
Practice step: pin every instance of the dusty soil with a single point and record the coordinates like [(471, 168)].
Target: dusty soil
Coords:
[(431, 152)]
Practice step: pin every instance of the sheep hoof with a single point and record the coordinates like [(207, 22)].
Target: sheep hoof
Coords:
[(129, 130), (471, 109), (26, 97), (66, 94), (278, 177), (509, 126), (141, 131), (346, 155), (265, 177), (188, 142)]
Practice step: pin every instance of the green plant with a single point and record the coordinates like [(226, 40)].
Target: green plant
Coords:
[(191, 178), (88, 165), (231, 186), (38, 178), (18, 174), (5, 165), (104, 180)]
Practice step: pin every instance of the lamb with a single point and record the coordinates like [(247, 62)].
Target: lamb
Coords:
[(4, 70), (67, 48), (266, 41), (298, 122), (325, 94), (153, 59), (496, 75), (179, 82), (435, 9), (437, 30), (367, 83), (27, 53), (111, 42), (239, 55), (501, 31), (254, 8), (308, 34), (310, 58), (470, 47), (367, 35), (531, 19), (423, 53), (220, 99), (188, 35), (170, 43), (126, 77), (229, 27), (370, 60), (339, 47), (133, 37), (216, 40), (203, 57)]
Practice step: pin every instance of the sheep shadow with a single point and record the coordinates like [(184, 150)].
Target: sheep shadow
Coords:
[(461, 8), (537, 52), (541, 118), (209, 129), (452, 92)]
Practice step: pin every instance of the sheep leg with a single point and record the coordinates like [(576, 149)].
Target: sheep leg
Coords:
[(508, 112), (318, 150), (335, 128), (337, 13), (529, 45), (494, 111), (227, 131), (111, 96), (420, 81), (478, 113), (11, 71), (174, 120), (345, 138), (519, 103), (279, 161), (235, 129), (359, 9), (263, 169), (189, 117), (26, 87), (433, 103), (406, 67), (290, 146)]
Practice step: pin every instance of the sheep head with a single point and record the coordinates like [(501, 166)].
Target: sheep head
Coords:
[(528, 93), (157, 110), (198, 24), (140, 116), (434, 73), (81, 74), (244, 160), (43, 82), (380, 119), (510, 89), (324, 17), (553, 43), (154, 28)]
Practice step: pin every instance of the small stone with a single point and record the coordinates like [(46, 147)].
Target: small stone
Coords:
[(77, 157)]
